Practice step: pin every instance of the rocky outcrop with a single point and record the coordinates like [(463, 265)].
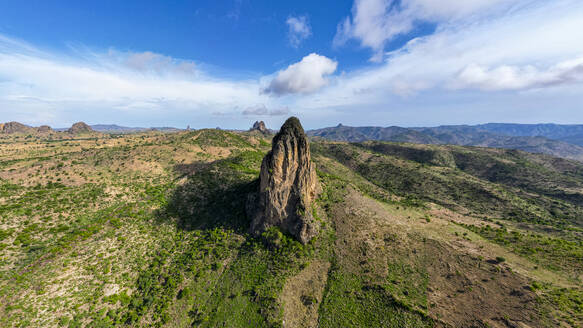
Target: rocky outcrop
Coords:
[(19, 128), (79, 128), (259, 126), (44, 129), (15, 127), (288, 186)]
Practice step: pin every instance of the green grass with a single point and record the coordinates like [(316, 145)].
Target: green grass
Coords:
[(553, 253), (349, 302), (478, 181), (246, 295), (220, 138), (568, 302)]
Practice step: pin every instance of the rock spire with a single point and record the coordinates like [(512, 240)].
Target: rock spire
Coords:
[(288, 186)]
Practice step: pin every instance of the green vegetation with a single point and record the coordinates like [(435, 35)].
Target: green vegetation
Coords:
[(553, 253), (493, 183), (149, 229), (353, 300), (351, 303)]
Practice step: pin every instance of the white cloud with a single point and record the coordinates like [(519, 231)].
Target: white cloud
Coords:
[(519, 77), (262, 110), (375, 22), (503, 61), (451, 9), (529, 47), (62, 85), (156, 63), (298, 30), (306, 76)]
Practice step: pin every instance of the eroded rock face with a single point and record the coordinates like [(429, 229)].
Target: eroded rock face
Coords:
[(288, 186), (259, 126)]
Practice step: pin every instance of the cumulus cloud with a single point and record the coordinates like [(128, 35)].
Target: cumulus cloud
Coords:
[(375, 22), (523, 49), (306, 76), (262, 110), (298, 30)]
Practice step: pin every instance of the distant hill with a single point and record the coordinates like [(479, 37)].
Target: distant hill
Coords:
[(80, 128), (569, 133), (574, 139), (15, 127), (364, 133), (19, 128), (464, 135), (165, 129), (112, 128)]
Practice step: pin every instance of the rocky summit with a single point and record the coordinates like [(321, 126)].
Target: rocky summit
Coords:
[(80, 127), (259, 126), (14, 127), (287, 186)]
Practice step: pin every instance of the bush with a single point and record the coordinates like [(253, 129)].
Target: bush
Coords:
[(272, 238), (535, 286), (185, 292)]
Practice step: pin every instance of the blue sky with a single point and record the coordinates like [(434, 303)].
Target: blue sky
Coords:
[(229, 63)]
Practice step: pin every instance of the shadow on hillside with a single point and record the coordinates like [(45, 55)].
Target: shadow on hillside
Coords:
[(214, 195)]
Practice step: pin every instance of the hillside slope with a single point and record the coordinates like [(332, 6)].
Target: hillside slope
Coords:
[(149, 229), (565, 132), (464, 135)]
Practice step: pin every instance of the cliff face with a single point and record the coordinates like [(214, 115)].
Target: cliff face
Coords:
[(288, 186)]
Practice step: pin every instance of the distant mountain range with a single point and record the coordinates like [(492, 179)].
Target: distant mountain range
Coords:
[(114, 128), (77, 128), (551, 131), (552, 139)]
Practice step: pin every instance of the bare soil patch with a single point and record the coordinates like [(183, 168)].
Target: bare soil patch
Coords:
[(302, 294)]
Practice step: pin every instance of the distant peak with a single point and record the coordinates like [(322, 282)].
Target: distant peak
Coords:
[(259, 126), (80, 127)]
